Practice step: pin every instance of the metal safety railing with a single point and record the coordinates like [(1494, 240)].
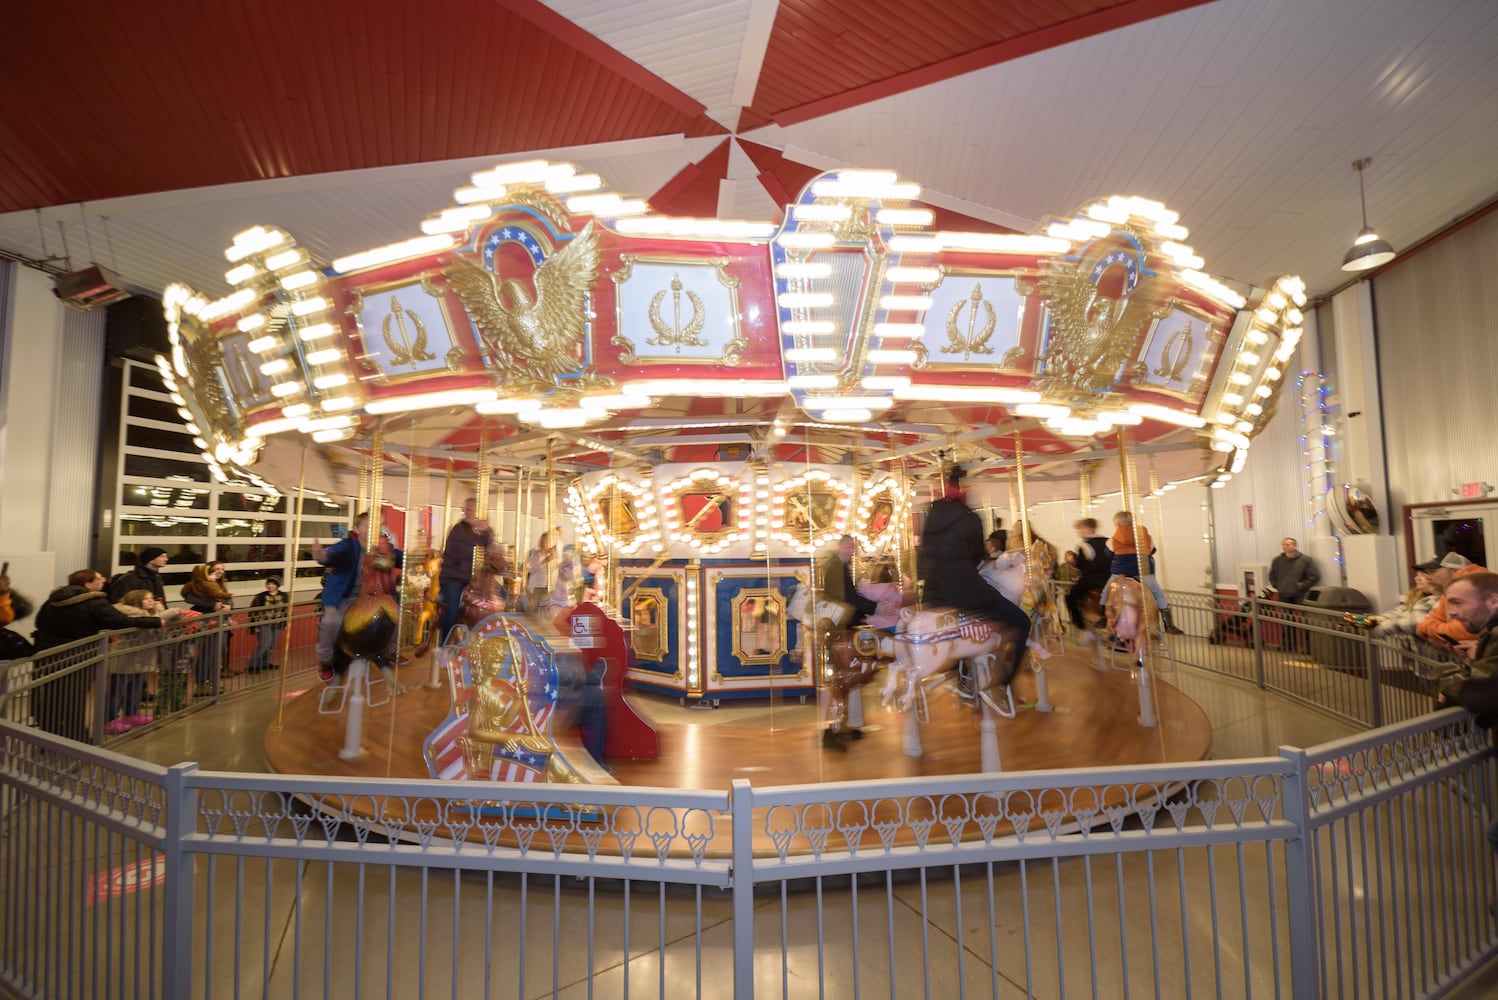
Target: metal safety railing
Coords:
[(1354, 868), (1312, 655), (99, 689), (1357, 868)]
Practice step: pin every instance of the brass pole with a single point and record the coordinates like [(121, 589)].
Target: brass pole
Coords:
[(551, 497), (1159, 524), (481, 494), (1126, 485), (296, 536), (1024, 505), (1084, 488)]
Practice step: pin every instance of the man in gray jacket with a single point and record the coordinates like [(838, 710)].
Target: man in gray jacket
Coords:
[(1292, 573)]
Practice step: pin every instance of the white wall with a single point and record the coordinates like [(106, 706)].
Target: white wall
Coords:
[(51, 365)]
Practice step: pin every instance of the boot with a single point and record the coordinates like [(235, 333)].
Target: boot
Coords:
[(1170, 626)]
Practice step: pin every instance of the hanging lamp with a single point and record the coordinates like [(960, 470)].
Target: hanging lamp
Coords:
[(1368, 251)]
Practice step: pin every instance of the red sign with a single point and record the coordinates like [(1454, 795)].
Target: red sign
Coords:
[(1248, 517), (1473, 491)]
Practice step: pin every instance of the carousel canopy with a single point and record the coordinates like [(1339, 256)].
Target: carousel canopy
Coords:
[(557, 321)]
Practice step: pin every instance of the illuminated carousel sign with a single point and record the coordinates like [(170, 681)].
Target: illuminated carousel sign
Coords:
[(551, 303)]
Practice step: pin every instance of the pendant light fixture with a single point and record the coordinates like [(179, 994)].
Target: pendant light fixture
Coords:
[(1368, 251)]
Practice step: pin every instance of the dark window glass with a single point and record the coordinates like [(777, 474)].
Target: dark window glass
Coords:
[(257, 552), (146, 377), (241, 527), (134, 524), (183, 559), (150, 467), (252, 503), (154, 409), (153, 437), (166, 498)]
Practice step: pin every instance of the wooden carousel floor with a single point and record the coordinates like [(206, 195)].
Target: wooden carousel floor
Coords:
[(1094, 724)]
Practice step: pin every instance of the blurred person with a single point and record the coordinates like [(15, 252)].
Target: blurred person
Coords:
[(1126, 562), (343, 560), (1066, 570), (538, 571), (888, 597), (7, 612), (463, 538), (74, 611), (562, 595), (485, 594), (835, 573), (947, 561), (1093, 560)]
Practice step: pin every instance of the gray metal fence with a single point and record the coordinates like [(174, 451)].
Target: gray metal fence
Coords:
[(1356, 868)]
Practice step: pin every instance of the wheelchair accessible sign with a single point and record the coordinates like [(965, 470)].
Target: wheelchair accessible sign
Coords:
[(587, 632)]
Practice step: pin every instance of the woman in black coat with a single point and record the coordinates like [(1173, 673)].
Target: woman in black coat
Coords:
[(72, 612)]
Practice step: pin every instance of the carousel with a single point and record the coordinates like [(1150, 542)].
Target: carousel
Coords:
[(697, 411)]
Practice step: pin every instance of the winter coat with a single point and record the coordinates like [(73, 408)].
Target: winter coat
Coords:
[(1291, 578), (1126, 553), (268, 608), (951, 549), (1406, 618), (1439, 624), (73, 613), (141, 661), (1476, 688), (142, 577), (457, 554), (342, 559), (1094, 562)]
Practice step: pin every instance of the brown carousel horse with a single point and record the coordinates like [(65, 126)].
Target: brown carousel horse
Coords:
[(854, 656)]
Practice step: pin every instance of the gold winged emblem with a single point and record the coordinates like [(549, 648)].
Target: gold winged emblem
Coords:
[(534, 338), (1092, 334)]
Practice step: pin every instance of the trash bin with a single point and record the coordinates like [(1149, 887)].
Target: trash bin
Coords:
[(1332, 650)]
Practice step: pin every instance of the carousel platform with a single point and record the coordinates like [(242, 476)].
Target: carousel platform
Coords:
[(1094, 724)]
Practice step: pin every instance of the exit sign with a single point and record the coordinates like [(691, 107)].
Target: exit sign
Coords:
[(1471, 491)]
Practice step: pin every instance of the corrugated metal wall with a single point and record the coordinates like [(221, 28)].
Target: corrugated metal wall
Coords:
[(1438, 364), (1273, 484), (75, 428)]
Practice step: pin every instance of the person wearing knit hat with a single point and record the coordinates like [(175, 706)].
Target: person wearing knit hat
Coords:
[(145, 576), (268, 617)]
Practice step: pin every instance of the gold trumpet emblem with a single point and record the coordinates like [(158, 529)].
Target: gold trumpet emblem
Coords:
[(973, 339), (1175, 354), (403, 350), (674, 334)]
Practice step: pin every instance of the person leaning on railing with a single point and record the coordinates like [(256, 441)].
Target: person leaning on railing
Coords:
[(74, 611), (1473, 601)]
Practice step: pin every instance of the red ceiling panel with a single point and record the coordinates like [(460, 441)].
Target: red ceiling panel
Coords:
[(102, 100), (829, 55), (694, 190)]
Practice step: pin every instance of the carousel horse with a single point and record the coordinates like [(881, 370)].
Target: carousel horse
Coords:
[(1132, 614), (933, 641), (371, 622), (853, 657), (425, 632)]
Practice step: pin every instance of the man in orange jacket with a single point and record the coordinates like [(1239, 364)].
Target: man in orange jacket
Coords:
[(1439, 628)]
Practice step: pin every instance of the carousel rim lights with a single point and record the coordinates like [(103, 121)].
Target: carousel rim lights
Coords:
[(431, 400)]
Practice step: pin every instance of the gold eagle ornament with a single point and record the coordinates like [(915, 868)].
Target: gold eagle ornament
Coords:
[(1092, 334), (533, 338)]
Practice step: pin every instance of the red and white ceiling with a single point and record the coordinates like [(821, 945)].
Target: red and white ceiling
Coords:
[(149, 133)]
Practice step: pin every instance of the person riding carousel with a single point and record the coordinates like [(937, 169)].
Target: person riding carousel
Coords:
[(951, 549)]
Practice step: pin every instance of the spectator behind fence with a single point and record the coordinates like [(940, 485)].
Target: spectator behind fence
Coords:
[(1438, 628), (128, 671), (74, 611), (1292, 573), (1406, 618), (268, 616), (1473, 600), (146, 575), (205, 593)]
